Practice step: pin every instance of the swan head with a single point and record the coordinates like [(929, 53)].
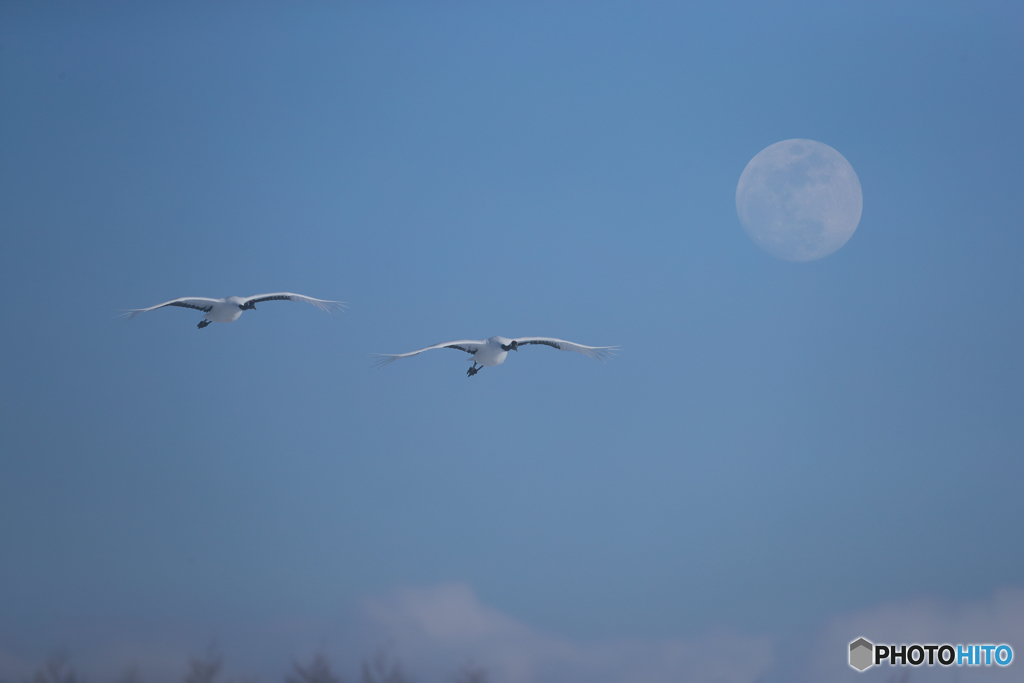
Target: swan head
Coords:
[(247, 306), (512, 346)]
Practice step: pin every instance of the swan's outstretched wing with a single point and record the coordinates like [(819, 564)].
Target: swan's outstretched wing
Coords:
[(601, 353), (199, 303), (329, 306), (470, 346)]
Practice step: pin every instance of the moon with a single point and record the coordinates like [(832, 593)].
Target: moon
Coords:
[(799, 200)]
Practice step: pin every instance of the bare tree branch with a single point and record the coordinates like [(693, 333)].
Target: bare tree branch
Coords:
[(56, 669), (204, 669), (317, 671), (383, 669), (471, 673)]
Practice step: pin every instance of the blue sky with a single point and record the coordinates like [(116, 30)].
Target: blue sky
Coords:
[(777, 444)]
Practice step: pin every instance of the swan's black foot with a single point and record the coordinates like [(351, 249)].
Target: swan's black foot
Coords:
[(203, 323), (473, 370)]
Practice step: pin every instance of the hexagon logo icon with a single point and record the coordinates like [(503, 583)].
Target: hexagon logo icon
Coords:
[(861, 651)]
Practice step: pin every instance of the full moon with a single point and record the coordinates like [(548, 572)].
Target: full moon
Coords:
[(799, 200)]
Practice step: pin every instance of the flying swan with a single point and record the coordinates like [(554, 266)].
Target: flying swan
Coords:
[(492, 352), (228, 309)]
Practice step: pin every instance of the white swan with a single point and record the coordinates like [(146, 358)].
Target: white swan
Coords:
[(491, 352), (228, 309)]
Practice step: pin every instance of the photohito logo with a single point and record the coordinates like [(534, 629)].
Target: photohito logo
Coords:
[(864, 653)]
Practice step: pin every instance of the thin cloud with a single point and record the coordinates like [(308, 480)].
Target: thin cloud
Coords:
[(436, 628)]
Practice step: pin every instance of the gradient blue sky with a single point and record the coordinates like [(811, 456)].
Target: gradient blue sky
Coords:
[(776, 443)]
